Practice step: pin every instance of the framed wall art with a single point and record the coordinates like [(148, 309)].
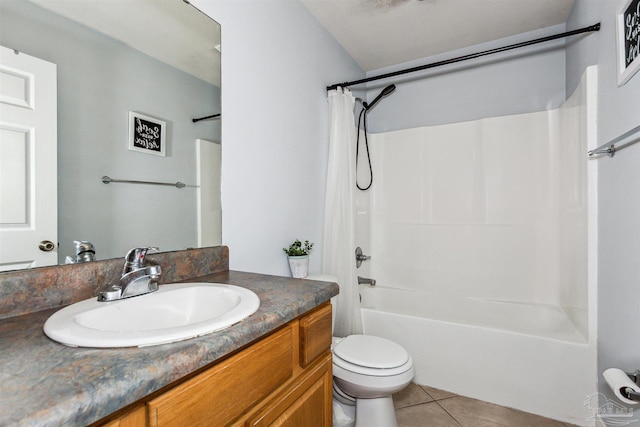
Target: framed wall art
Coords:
[(628, 36), (147, 134)]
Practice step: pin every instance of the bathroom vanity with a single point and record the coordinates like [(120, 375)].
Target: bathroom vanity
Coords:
[(274, 366), (285, 376)]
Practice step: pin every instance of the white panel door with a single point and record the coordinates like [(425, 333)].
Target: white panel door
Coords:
[(208, 199), (28, 161)]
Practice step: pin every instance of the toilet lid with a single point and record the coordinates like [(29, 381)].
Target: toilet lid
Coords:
[(371, 352)]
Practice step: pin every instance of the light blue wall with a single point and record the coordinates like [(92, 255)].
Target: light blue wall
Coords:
[(518, 81), (276, 63), (581, 50), (618, 193)]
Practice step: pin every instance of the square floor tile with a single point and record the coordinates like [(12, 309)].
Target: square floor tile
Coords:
[(476, 413), (412, 395), (426, 414), (437, 394)]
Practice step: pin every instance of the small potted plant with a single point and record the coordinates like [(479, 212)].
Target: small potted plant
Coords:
[(298, 255)]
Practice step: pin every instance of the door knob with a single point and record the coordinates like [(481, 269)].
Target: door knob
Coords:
[(46, 246)]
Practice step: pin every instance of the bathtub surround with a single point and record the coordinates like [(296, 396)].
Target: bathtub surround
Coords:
[(500, 216), (505, 197)]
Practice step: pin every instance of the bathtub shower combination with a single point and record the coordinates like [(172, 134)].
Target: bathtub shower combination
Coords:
[(482, 236)]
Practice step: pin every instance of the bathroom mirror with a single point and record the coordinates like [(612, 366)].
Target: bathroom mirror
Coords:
[(115, 60)]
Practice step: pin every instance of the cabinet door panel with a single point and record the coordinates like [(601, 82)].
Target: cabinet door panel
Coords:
[(306, 411), (135, 418), (218, 396), (315, 334), (306, 403)]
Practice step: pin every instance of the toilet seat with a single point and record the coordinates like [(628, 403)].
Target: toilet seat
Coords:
[(370, 355)]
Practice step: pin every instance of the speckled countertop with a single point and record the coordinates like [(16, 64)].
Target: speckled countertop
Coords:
[(43, 383)]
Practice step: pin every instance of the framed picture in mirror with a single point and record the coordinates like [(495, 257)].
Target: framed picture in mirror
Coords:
[(147, 134), (628, 29)]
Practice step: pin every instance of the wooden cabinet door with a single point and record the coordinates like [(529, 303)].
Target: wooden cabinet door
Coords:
[(315, 334), (306, 403), (135, 418)]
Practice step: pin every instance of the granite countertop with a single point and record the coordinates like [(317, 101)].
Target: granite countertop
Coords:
[(44, 383)]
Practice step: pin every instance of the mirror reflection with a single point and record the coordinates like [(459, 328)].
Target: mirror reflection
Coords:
[(126, 72)]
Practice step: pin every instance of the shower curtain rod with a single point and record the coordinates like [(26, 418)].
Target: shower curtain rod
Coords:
[(588, 29), (213, 116)]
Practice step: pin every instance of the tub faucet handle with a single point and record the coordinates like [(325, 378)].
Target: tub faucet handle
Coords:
[(360, 257)]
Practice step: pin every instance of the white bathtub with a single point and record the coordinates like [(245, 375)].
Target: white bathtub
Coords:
[(513, 316), (525, 356)]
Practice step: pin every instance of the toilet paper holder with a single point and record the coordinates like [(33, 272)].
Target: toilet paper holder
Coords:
[(628, 392)]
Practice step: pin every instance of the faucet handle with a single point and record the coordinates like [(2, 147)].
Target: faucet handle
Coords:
[(135, 257)]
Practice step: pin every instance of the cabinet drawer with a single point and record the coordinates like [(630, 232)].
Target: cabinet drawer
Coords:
[(315, 334), (224, 392)]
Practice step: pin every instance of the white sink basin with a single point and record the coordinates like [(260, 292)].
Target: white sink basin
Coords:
[(175, 312)]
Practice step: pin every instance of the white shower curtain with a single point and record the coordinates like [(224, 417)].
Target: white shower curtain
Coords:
[(338, 254)]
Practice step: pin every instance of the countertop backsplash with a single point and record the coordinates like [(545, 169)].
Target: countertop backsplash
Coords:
[(36, 289)]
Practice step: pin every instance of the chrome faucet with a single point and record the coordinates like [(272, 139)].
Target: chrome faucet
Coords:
[(85, 252), (137, 278), (365, 281)]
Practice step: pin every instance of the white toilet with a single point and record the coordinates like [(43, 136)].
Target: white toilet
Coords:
[(367, 370)]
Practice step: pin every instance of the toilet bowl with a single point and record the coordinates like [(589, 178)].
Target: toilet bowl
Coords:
[(369, 370)]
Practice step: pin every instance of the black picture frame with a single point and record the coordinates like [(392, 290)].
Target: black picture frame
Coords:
[(147, 134), (628, 38)]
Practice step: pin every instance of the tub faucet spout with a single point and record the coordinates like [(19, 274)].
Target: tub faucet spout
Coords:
[(366, 281)]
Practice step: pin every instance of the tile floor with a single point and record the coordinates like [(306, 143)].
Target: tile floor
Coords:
[(422, 406)]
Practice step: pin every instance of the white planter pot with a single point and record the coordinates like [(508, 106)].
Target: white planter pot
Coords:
[(299, 266)]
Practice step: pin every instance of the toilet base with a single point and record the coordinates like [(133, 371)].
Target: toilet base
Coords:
[(378, 412), (344, 415)]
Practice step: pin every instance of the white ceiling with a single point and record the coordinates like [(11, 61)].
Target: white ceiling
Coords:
[(380, 33), (168, 30)]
